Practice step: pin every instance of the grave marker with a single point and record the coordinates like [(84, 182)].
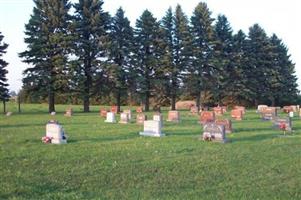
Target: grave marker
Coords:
[(237, 114), (214, 132), (110, 117), (242, 108), (139, 109), (173, 116), (268, 113), (151, 128), (158, 117), (69, 112), (206, 117), (103, 112), (55, 132), (129, 112), (140, 118), (194, 110), (227, 123), (124, 118), (218, 111), (114, 109), (277, 122)]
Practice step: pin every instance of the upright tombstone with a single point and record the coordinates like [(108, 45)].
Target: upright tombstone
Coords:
[(194, 110), (129, 112), (53, 113), (218, 110), (207, 117), (151, 128), (268, 113), (124, 118), (140, 118), (242, 108), (173, 116), (287, 109), (227, 123), (300, 113), (287, 122), (55, 132), (69, 112), (158, 117), (139, 109), (103, 112), (214, 132), (260, 108), (237, 114), (8, 114), (291, 114), (114, 109), (224, 109), (294, 108), (110, 117)]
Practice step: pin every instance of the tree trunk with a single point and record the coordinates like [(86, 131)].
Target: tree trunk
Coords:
[(146, 103), (198, 100), (173, 102), (51, 107), (19, 104), (87, 85), (118, 100), (4, 107), (173, 95)]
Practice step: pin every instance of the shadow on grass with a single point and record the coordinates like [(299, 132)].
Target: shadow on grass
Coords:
[(253, 138), (238, 130), (104, 138)]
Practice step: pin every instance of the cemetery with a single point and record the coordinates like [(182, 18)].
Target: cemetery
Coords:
[(113, 159)]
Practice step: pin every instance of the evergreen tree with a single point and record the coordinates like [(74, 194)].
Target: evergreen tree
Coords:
[(90, 28), (285, 80), (200, 73), (121, 36), (178, 51), (4, 96), (260, 71), (147, 49), (47, 38)]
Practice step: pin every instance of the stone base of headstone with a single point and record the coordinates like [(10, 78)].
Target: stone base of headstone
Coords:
[(58, 141), (151, 134)]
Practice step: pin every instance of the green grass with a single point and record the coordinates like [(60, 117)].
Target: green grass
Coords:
[(111, 161)]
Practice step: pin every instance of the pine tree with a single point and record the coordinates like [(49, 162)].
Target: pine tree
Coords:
[(48, 41), (121, 48), (201, 71), (260, 69), (90, 28), (147, 50), (4, 96), (178, 52)]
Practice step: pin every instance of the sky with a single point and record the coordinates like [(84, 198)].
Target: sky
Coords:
[(274, 16)]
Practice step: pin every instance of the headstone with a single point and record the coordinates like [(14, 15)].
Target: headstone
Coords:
[(260, 108), (9, 114), (173, 116), (140, 118), (129, 112), (291, 114), (103, 113), (277, 122), (225, 122), (124, 118), (194, 110), (52, 113), (206, 117), (114, 109), (268, 113), (55, 132), (158, 117), (294, 108), (214, 132), (218, 110), (300, 113), (287, 109), (139, 109), (237, 114), (224, 109), (152, 128), (242, 108), (69, 112), (110, 117)]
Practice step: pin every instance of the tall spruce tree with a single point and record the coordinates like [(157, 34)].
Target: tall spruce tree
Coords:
[(178, 39), (259, 64), (4, 96), (121, 48), (91, 34), (201, 71), (48, 39), (147, 49), (223, 58)]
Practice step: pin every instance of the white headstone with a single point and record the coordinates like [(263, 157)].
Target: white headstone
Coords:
[(52, 113), (110, 117), (291, 114), (124, 118), (129, 112), (9, 114), (56, 133), (152, 128), (159, 118)]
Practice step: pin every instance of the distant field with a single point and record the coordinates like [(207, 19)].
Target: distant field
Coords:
[(111, 161)]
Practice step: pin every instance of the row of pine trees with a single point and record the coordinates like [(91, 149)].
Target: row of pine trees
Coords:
[(87, 54)]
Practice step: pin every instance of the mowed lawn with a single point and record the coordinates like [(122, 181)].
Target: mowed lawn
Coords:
[(111, 161)]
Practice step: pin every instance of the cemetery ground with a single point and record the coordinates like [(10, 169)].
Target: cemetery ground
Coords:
[(111, 161)]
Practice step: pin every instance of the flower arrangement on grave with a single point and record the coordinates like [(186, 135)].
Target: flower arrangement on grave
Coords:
[(208, 137), (46, 139), (282, 126)]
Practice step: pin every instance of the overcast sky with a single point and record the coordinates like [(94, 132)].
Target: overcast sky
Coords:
[(275, 16)]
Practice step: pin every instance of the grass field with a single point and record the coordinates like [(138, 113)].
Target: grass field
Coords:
[(111, 161)]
